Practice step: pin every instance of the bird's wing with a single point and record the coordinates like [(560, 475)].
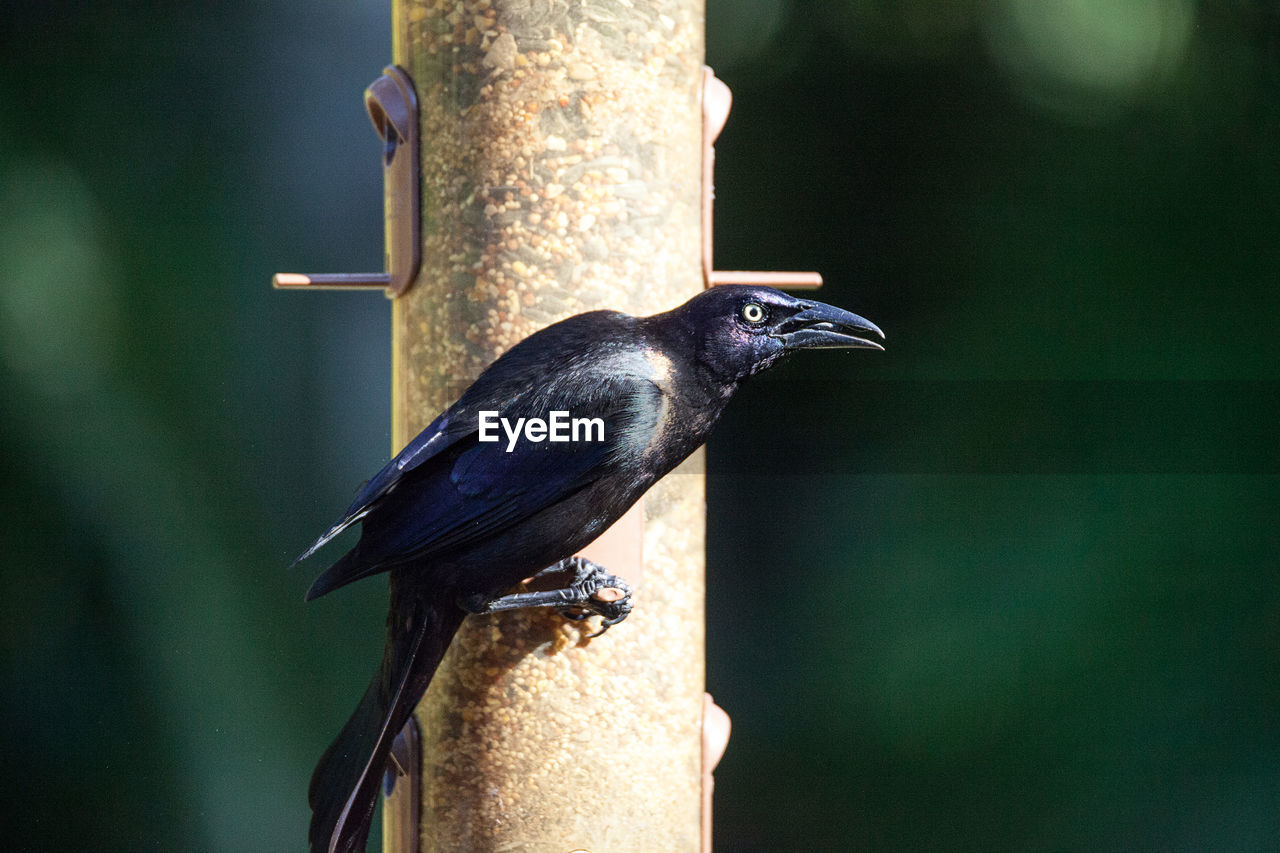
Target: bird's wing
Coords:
[(576, 354), (477, 489), (488, 488)]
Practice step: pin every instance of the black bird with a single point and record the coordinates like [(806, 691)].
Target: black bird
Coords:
[(458, 521)]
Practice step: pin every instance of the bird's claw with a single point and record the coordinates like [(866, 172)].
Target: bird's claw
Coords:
[(606, 624), (591, 592), (611, 612), (596, 593)]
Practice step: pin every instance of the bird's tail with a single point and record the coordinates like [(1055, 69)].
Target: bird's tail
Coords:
[(344, 786)]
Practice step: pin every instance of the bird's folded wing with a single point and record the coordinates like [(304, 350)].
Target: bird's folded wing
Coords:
[(487, 489)]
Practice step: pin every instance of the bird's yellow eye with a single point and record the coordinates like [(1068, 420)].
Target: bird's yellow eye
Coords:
[(753, 312)]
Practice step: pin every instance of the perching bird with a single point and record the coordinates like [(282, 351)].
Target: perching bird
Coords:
[(458, 518)]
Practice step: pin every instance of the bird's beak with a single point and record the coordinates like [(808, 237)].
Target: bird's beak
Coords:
[(821, 326)]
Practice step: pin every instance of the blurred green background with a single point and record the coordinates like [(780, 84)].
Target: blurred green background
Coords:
[(1011, 585)]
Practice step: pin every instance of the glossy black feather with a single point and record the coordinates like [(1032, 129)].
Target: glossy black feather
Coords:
[(344, 786)]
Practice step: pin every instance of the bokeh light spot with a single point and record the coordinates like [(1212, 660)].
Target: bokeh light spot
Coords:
[(57, 308), (1086, 59)]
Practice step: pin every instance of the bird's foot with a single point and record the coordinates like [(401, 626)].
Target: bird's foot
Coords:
[(594, 592), (591, 592)]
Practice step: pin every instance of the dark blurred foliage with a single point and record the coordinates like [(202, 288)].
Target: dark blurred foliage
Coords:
[(1013, 584)]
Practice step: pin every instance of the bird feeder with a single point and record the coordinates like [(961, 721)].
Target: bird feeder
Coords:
[(540, 160)]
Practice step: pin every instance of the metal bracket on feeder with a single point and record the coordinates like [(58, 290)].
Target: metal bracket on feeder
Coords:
[(393, 109), (716, 102)]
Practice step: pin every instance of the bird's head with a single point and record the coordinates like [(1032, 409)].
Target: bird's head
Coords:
[(742, 330)]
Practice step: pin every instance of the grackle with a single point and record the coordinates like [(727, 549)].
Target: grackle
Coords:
[(458, 521)]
